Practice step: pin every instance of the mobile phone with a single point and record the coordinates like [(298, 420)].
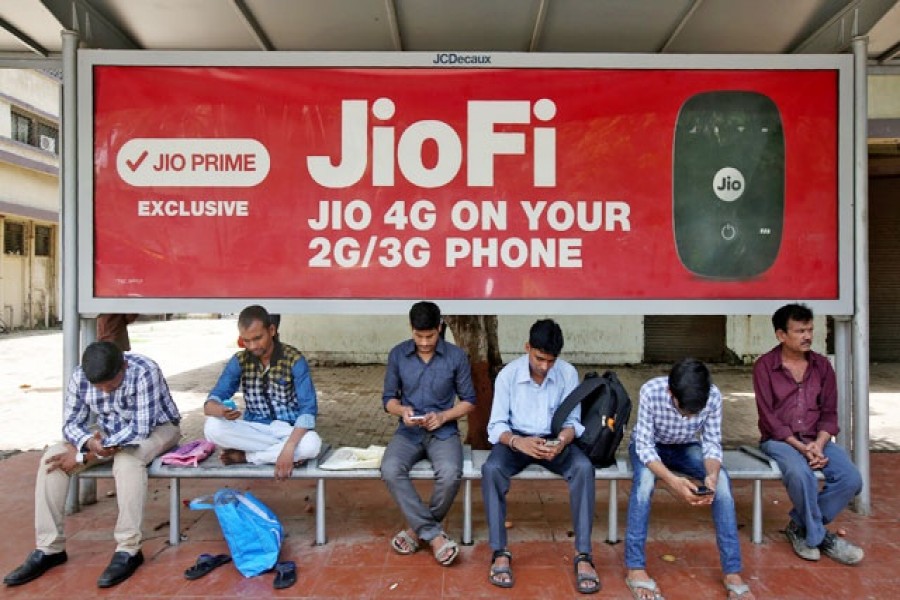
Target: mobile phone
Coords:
[(703, 491), (230, 404), (417, 418), (551, 443)]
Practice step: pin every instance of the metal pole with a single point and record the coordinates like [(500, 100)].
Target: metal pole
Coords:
[(69, 216), (861, 279), (843, 369)]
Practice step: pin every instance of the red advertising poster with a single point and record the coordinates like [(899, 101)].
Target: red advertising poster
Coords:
[(465, 183)]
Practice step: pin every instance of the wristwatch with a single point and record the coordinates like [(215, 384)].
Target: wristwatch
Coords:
[(79, 458)]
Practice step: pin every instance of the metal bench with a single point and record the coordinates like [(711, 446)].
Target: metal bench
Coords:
[(746, 463), (212, 468)]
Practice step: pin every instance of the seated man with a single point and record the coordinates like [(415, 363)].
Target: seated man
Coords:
[(136, 420), (424, 375), (279, 398), (679, 427), (526, 394), (796, 396)]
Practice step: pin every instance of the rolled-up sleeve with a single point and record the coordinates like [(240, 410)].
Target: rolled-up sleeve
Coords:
[(229, 381), (306, 395), (499, 421)]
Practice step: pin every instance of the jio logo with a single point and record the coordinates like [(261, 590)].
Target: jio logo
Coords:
[(728, 184)]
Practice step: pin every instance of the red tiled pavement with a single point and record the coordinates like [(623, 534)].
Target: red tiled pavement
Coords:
[(358, 563)]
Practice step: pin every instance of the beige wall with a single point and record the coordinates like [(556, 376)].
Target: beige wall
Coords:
[(884, 96)]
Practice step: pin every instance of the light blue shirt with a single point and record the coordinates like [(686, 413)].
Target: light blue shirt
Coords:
[(522, 405)]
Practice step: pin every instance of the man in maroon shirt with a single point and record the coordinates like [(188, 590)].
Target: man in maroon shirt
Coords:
[(796, 397)]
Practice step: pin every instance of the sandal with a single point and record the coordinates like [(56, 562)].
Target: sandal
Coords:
[(443, 548), (404, 544), (504, 570), (206, 563), (585, 578), (285, 574), (636, 586)]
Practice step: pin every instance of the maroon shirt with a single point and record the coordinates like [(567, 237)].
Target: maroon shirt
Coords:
[(789, 408)]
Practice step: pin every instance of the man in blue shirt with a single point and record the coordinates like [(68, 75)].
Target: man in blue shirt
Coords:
[(526, 394), (424, 376), (279, 401), (679, 428), (118, 407)]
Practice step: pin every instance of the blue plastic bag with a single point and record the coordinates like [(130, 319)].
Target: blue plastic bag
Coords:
[(251, 529)]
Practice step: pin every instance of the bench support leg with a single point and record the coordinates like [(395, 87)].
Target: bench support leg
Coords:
[(612, 535), (757, 512), (321, 538), (467, 513), (72, 503), (174, 511)]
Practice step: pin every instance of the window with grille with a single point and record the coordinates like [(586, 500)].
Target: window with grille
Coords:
[(13, 238), (22, 128), (43, 240), (33, 132)]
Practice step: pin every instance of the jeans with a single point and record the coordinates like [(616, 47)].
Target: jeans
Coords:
[(688, 460), (813, 509), (446, 460), (572, 465)]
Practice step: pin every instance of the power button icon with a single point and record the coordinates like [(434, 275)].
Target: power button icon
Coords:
[(728, 232)]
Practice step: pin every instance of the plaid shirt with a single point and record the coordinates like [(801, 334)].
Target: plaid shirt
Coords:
[(659, 422), (125, 416), (283, 392)]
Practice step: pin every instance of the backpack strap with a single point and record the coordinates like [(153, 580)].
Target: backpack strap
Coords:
[(587, 387)]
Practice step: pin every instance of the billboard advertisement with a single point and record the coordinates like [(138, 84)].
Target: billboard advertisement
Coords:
[(482, 184)]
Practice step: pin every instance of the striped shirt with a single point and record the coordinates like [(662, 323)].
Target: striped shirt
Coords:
[(659, 422), (126, 415)]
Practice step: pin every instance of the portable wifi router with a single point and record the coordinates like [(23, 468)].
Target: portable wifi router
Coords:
[(728, 184)]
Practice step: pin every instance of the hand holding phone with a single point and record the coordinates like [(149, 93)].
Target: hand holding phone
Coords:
[(551, 443), (417, 418), (703, 491)]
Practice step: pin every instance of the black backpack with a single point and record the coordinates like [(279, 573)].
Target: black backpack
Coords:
[(605, 410)]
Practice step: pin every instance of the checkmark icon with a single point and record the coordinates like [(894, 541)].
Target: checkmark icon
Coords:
[(137, 163)]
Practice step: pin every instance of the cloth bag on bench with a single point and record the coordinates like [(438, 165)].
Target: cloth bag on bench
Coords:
[(349, 458), (251, 529)]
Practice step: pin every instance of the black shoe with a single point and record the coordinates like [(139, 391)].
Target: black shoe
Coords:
[(34, 566), (121, 567)]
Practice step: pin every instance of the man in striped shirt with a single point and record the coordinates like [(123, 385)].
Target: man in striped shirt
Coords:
[(136, 421), (678, 439)]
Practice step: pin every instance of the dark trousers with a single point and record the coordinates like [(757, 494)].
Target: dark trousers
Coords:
[(503, 463)]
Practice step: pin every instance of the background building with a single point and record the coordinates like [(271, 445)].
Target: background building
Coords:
[(29, 197)]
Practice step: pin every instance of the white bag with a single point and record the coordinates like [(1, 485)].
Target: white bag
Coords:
[(348, 458)]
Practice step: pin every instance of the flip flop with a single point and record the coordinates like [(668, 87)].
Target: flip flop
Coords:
[(206, 563), (505, 570), (650, 585), (285, 574), (738, 589), (402, 538), (586, 577)]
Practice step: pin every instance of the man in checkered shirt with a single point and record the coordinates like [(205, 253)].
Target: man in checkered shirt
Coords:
[(678, 439), (117, 408), (279, 401)]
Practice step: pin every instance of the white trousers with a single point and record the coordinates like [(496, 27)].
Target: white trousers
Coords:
[(261, 442), (130, 474)]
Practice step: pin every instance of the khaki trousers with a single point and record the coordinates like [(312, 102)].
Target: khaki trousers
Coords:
[(130, 474)]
